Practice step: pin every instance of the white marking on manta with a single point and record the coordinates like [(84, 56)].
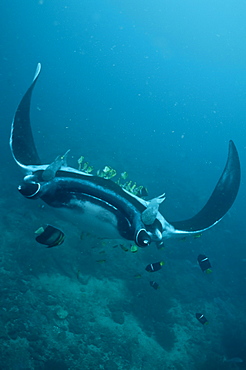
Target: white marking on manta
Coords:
[(92, 218)]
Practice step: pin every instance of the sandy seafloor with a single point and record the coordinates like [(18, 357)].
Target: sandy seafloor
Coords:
[(87, 304)]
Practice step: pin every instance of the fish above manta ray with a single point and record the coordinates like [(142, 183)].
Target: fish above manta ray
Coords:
[(101, 205)]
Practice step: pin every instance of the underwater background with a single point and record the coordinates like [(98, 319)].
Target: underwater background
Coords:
[(156, 89)]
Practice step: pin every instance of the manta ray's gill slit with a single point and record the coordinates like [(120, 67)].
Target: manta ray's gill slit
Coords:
[(89, 197)]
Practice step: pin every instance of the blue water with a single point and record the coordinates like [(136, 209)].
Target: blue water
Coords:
[(157, 89)]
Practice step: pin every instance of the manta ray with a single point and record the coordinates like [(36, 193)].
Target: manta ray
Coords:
[(100, 204)]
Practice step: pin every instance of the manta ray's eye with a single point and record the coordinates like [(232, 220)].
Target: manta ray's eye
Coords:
[(29, 189)]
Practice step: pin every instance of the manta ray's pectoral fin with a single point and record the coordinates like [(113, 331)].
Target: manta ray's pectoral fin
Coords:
[(21, 139), (150, 213), (219, 202)]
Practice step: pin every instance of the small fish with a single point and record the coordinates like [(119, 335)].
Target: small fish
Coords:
[(125, 249), (197, 236), (78, 274), (134, 248), (137, 276), (124, 175), (204, 263), (50, 236), (201, 318), (101, 252), (234, 360), (154, 285), (160, 246), (84, 235), (152, 267), (115, 246), (101, 261)]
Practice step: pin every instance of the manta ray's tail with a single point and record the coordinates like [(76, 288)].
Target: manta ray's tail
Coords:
[(21, 139), (220, 201)]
